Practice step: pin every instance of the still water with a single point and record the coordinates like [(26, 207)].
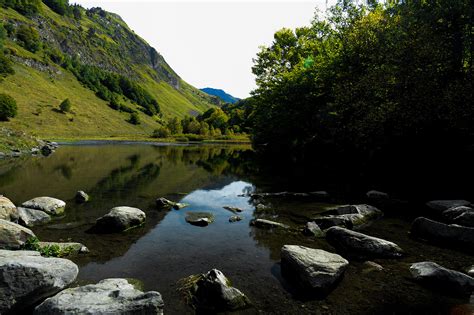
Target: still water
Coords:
[(166, 248)]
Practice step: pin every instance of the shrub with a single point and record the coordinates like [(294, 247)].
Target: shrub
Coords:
[(5, 66), (161, 132), (59, 6), (65, 106), (28, 37), (134, 119), (8, 107)]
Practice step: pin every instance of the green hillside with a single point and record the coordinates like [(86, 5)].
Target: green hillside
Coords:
[(94, 59)]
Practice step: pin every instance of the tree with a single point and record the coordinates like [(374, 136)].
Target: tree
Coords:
[(65, 106), (59, 6), (8, 107), (174, 126), (134, 119), (161, 132)]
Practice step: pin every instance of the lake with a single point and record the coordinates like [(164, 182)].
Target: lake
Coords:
[(167, 248)]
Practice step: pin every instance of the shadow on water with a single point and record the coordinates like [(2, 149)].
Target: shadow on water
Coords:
[(208, 177)]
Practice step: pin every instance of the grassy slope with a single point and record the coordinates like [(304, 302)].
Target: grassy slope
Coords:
[(38, 94)]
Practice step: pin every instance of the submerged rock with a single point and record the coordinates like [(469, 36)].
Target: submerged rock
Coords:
[(377, 195), (164, 203), (349, 216), (109, 296), (267, 224), (179, 205), (49, 205), (358, 245), (28, 278), (82, 197), (212, 292), (448, 234), (441, 205), (233, 209), (312, 269), (120, 219), (312, 229), (460, 215), (32, 217), (66, 249), (8, 210), (66, 226), (199, 218), (261, 207), (12, 235), (235, 218), (439, 278)]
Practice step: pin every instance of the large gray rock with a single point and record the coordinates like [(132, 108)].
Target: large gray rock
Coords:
[(460, 215), (109, 296), (358, 245), (8, 211), (49, 205), (313, 269), (439, 278), (447, 234), (313, 229), (212, 292), (27, 278), (120, 219), (441, 205), (349, 216), (32, 217), (267, 224), (12, 235)]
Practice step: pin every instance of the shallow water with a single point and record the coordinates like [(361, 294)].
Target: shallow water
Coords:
[(166, 248)]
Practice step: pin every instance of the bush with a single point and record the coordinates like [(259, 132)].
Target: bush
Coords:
[(28, 37), (8, 107), (161, 132), (5, 66), (59, 6), (134, 119), (65, 106)]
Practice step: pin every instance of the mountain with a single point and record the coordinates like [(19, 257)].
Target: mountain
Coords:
[(91, 57), (221, 94)]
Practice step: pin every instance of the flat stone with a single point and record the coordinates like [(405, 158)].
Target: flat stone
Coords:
[(435, 276), (32, 217), (8, 210), (375, 194), (312, 269), (120, 219), (235, 218), (109, 296), (441, 205), (349, 216), (358, 245), (164, 203), (233, 209), (267, 224), (12, 235), (460, 215), (49, 205), (199, 218), (447, 234), (28, 278), (312, 229)]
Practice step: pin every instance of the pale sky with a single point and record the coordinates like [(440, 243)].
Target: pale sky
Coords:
[(212, 43)]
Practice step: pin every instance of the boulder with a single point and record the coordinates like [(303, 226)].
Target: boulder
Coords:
[(211, 292), (441, 205), (313, 269), (460, 215), (437, 277), (376, 195), (27, 278), (199, 218), (267, 224), (349, 216), (109, 296), (82, 197), (312, 229), (447, 234), (12, 235), (235, 218), (357, 245), (66, 249), (179, 205), (8, 211), (120, 219), (49, 205), (32, 217)]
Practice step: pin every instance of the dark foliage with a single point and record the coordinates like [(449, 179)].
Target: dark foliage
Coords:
[(8, 107)]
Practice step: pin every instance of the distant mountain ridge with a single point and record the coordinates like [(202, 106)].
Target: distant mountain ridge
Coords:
[(225, 97)]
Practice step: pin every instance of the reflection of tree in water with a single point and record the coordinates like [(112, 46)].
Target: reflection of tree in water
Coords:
[(228, 162)]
